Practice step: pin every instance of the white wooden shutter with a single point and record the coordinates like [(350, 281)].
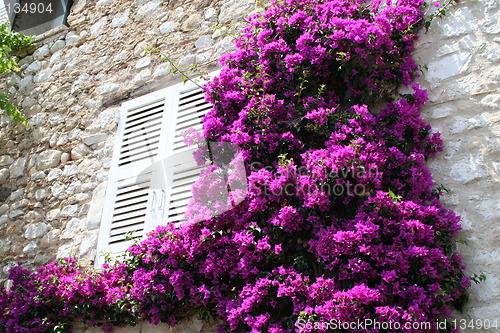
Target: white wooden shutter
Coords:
[(129, 210), (4, 17), (182, 168), (182, 174), (131, 196), (152, 169), (191, 109), (7, 10)]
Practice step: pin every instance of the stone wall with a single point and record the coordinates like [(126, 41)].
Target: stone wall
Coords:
[(53, 178), (462, 53)]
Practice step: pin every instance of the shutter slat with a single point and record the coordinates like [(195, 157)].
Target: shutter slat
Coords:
[(134, 185), (175, 204), (191, 95), (141, 123), (187, 178), (144, 131), (181, 195), (129, 221), (134, 116), (188, 123), (195, 108), (121, 238), (180, 211), (179, 185), (126, 196), (152, 134), (137, 147), (176, 218), (127, 228), (133, 112), (139, 211), (133, 205), (137, 157)]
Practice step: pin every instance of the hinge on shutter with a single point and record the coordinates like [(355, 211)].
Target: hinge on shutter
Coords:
[(93, 256)]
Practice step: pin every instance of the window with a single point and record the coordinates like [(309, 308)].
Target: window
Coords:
[(152, 168), (34, 17), (5, 14)]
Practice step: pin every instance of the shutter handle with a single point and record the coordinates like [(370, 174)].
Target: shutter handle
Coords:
[(153, 201), (163, 197)]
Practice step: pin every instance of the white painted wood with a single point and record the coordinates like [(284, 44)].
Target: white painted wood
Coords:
[(4, 16), (152, 169), (131, 197)]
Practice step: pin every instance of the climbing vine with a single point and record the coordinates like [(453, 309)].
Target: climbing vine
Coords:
[(10, 43), (340, 221)]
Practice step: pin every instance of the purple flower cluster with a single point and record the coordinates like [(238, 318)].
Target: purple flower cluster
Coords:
[(60, 293), (340, 221)]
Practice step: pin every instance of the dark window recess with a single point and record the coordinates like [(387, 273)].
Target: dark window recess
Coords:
[(34, 17), (4, 193)]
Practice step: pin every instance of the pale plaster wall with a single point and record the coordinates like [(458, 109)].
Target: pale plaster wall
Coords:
[(71, 88), (462, 53)]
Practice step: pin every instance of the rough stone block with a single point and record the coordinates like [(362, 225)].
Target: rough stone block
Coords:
[(70, 210), (41, 52), (36, 230), (16, 195), (37, 175), (79, 152), (15, 213), (108, 88), (51, 237), (462, 21), (40, 194), (449, 66), (143, 62), (72, 38), (121, 20), (97, 28), (467, 170), (4, 174), (89, 242), (43, 75), (65, 157), (57, 190), (148, 9), (234, 9), (166, 27), (69, 170), (203, 42), (58, 45), (95, 138), (29, 249), (71, 230), (53, 174), (48, 159), (17, 168), (6, 160), (3, 221), (34, 67)]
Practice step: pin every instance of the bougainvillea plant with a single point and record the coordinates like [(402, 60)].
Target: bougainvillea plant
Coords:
[(341, 228)]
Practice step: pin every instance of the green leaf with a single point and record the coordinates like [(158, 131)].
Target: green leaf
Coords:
[(395, 198), (10, 43), (12, 111)]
